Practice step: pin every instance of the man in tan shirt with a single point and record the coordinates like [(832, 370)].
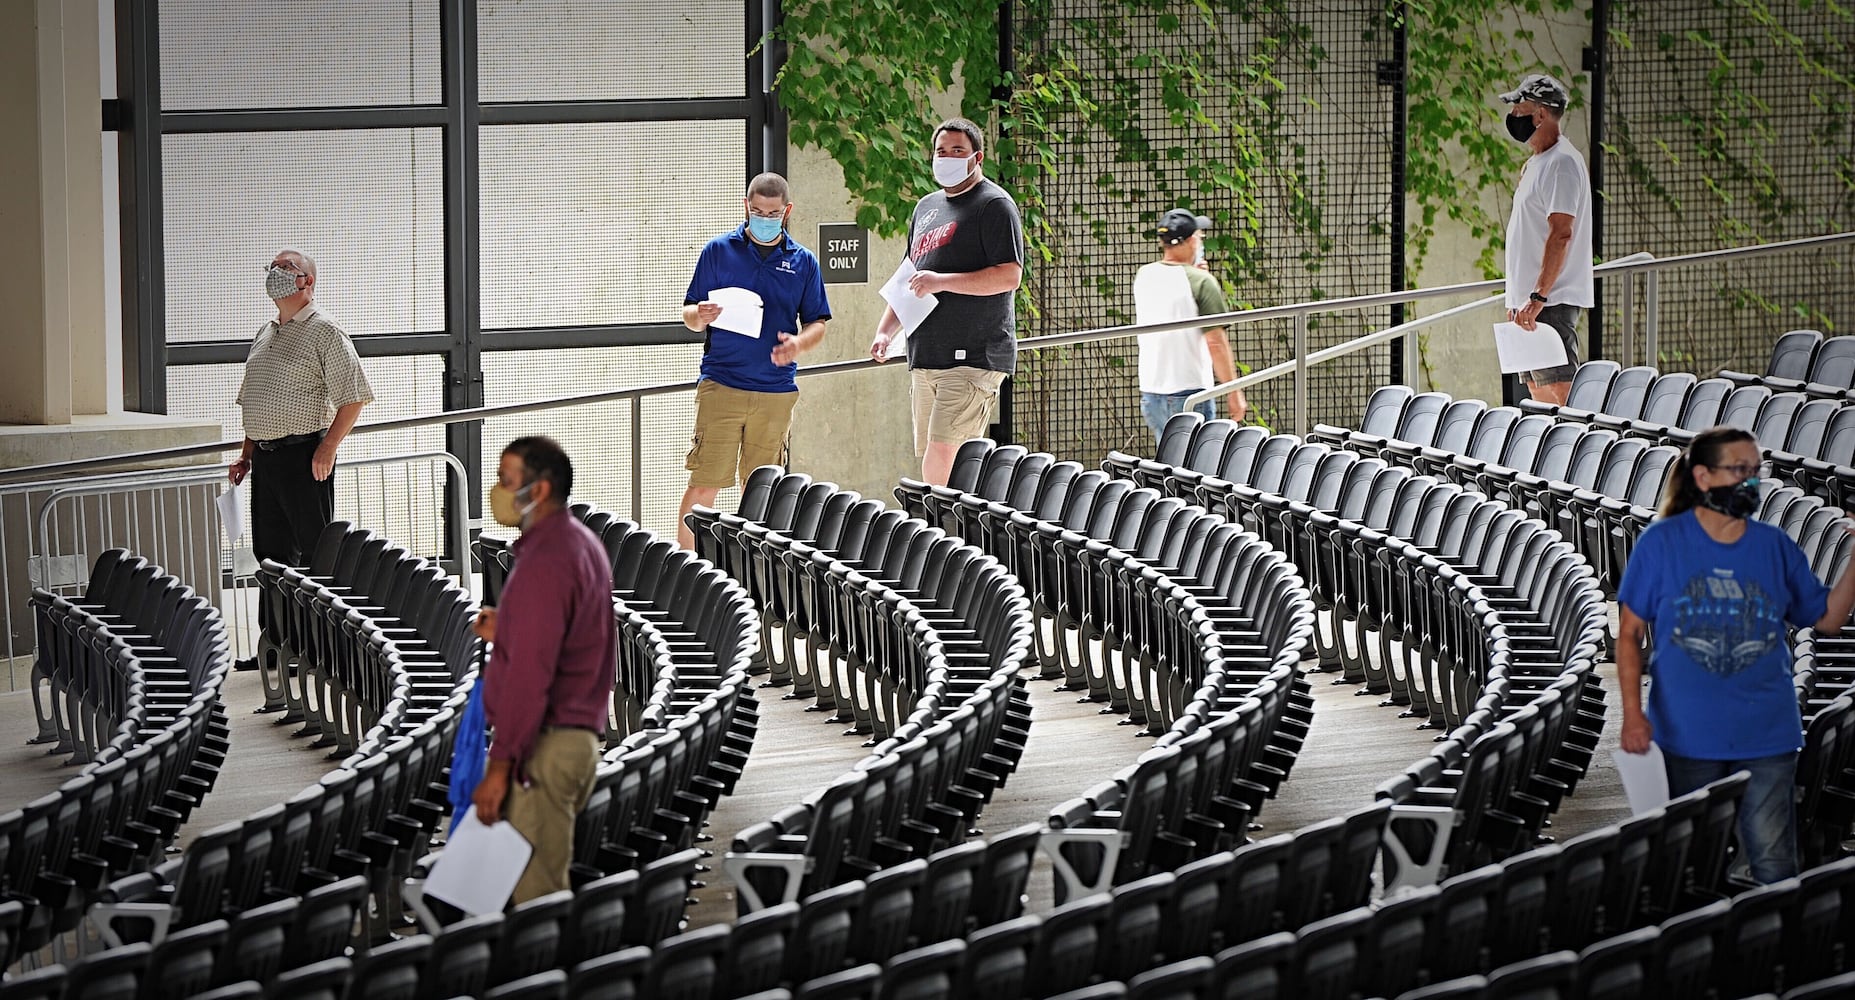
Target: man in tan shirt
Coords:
[(302, 392)]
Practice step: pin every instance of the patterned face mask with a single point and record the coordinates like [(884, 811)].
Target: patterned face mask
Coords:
[(1738, 500), (279, 283)]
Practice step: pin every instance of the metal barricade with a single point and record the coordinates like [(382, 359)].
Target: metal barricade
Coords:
[(52, 531)]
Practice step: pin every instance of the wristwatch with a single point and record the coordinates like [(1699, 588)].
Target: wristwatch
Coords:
[(1536, 297)]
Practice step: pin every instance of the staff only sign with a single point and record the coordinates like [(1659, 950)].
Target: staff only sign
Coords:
[(843, 249)]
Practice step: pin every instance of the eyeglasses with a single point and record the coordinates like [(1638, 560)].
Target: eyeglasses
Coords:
[(278, 266), (1743, 470), (766, 215)]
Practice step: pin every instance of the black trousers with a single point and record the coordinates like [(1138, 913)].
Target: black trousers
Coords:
[(289, 508)]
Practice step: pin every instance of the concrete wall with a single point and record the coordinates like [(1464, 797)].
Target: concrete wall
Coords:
[(1458, 357), (855, 429)]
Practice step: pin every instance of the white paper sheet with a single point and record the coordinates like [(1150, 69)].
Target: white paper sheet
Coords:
[(910, 308), (232, 513), (741, 311), (1523, 350), (479, 866), (1645, 778)]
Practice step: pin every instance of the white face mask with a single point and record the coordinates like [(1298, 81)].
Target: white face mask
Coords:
[(952, 171)]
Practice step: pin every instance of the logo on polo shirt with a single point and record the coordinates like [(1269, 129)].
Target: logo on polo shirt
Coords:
[(786, 267)]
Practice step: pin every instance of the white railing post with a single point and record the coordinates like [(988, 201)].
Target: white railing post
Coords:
[(1301, 373), (1652, 310), (1626, 310)]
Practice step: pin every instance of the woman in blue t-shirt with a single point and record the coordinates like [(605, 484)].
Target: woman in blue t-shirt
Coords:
[(1717, 589)]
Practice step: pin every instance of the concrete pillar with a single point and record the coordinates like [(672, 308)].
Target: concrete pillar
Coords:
[(51, 270)]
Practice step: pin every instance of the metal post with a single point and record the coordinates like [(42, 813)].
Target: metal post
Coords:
[(1651, 314), (1301, 373), (1626, 307), (637, 459)]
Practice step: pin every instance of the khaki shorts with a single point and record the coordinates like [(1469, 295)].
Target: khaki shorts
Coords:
[(736, 431), (952, 404)]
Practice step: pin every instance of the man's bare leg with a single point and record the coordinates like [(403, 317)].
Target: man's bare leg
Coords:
[(1550, 392), (704, 495), (937, 464)]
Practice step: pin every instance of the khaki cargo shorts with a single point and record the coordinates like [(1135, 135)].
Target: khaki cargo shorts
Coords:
[(952, 404), (736, 429)]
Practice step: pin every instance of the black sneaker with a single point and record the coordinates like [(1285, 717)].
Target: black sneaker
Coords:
[(248, 663)]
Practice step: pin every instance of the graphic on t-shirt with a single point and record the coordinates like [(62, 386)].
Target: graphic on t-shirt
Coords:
[(933, 239), (1725, 626)]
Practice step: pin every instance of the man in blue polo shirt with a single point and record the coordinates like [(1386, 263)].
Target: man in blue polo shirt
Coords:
[(745, 396)]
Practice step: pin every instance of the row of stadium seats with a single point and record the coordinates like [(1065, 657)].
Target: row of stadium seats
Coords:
[(142, 658), (921, 639)]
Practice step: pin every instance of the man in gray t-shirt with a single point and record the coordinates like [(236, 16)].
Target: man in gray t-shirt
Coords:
[(967, 245)]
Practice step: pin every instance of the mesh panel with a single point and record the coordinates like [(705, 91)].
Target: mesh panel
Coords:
[(559, 50), (1324, 211), (224, 54), (578, 227), (367, 205), (405, 502), (1708, 156), (598, 437)]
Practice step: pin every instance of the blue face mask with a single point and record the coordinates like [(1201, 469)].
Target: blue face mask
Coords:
[(765, 230)]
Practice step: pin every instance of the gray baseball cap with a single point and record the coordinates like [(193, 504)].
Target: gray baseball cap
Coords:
[(1540, 89)]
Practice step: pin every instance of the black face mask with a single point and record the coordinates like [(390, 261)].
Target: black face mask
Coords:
[(1734, 501), (1521, 127)]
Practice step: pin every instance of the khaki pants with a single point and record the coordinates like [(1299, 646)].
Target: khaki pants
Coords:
[(560, 773)]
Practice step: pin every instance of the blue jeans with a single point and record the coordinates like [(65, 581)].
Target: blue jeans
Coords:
[(1767, 814), (1158, 407)]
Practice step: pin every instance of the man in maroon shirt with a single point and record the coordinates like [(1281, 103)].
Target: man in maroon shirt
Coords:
[(550, 672)]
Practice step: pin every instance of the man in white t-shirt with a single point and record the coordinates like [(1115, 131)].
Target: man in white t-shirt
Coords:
[(1177, 286), (1549, 277)]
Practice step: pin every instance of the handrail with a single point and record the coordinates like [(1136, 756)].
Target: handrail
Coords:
[(636, 394)]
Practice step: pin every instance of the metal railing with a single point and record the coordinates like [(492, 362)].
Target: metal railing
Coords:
[(1625, 267), (1297, 311), (52, 530)]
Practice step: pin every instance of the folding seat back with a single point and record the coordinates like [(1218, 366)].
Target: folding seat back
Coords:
[(1400, 924), (1131, 935), (1704, 404), (1589, 455), (1465, 909), (1251, 910), (998, 960), (1792, 354), (1520, 449), (1240, 453), (1489, 439), (115, 974), (1550, 975), (881, 928), (1356, 487), (1809, 427), (1079, 503), (757, 492), (1206, 448), (930, 972), (1553, 458), (1629, 389), (1260, 968), (688, 966), (1666, 396), (1298, 473), (1591, 385), (1834, 363), (531, 937), (1329, 478), (997, 472), (1332, 954), (1175, 438), (1386, 488), (810, 510), (1422, 412), (1650, 475), (1614, 473), (1027, 479), (1271, 464), (1823, 921), (1384, 409), (968, 461), (1741, 407), (1186, 978), (617, 975), (1069, 943), (1838, 444), (1773, 425), (1456, 426)]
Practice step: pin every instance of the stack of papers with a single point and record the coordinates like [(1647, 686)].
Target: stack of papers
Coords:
[(910, 308), (742, 311)]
